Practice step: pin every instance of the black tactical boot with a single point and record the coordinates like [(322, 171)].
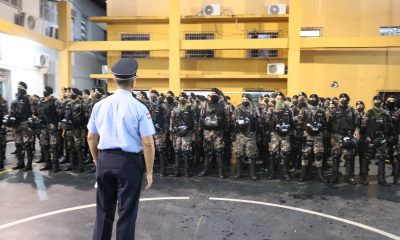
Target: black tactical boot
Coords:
[(81, 161), (163, 163), (29, 156), (56, 164), (20, 153), (186, 164), (303, 174), (285, 168), (396, 173), (350, 172), (240, 161), (220, 160), (70, 166), (207, 159), (41, 159), (2, 158), (271, 167), (321, 175), (364, 172), (381, 172), (335, 169), (46, 158), (177, 163), (253, 174)]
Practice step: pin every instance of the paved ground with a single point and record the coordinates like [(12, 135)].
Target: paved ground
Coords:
[(268, 216)]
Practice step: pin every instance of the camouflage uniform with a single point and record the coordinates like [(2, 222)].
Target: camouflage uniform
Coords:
[(229, 110), (75, 113), (280, 124), (160, 120), (169, 144), (342, 122), (246, 119), (213, 123), (361, 148), (378, 129), (62, 146), (263, 133), (3, 131), (49, 135), (313, 122), (182, 116), (21, 110)]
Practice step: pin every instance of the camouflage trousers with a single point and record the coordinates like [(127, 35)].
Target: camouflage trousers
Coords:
[(279, 145), (159, 140), (338, 150), (49, 135), (23, 134), (246, 145), (213, 141), (74, 139), (380, 153), (3, 138), (397, 150), (182, 144), (313, 145)]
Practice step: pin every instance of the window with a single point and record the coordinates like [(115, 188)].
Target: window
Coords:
[(135, 37), (389, 31), (263, 53), (199, 53), (311, 32), (84, 27), (13, 3), (48, 11)]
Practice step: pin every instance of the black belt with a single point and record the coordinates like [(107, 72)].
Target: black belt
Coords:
[(119, 151)]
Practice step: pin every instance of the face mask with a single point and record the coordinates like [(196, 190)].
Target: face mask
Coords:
[(266, 101), (73, 96), (377, 105), (390, 105), (273, 102), (98, 95), (295, 102), (214, 99), (280, 105), (360, 110), (313, 103), (246, 104), (46, 94), (153, 98), (21, 91), (182, 102), (344, 103), (170, 100)]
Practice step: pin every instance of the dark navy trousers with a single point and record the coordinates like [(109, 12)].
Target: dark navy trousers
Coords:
[(119, 178)]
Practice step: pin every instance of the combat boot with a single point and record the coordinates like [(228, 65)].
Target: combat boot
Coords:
[(220, 160), (186, 164), (70, 166), (177, 163), (161, 158), (285, 168), (240, 160), (56, 164), (253, 174), (81, 161), (303, 174), (42, 158), (335, 169), (19, 151), (350, 172), (207, 159), (2, 158), (321, 175), (46, 158), (29, 156), (271, 167), (396, 173), (381, 172)]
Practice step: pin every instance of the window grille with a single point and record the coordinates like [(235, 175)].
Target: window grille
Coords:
[(263, 53), (135, 37), (199, 53)]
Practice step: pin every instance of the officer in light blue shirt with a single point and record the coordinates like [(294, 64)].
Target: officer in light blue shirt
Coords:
[(120, 128)]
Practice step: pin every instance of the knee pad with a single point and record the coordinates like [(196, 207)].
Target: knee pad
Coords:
[(219, 151), (319, 156), (307, 156)]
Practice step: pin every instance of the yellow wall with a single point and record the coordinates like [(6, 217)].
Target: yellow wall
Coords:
[(360, 72)]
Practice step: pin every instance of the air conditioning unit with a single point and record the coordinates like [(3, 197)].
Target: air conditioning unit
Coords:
[(276, 69), (277, 9), (19, 19), (42, 61), (212, 10)]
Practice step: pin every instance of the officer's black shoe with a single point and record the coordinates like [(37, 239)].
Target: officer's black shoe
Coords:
[(18, 166), (46, 167)]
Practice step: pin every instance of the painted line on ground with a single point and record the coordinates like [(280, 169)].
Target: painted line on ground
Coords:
[(372, 229), (24, 220), (6, 171)]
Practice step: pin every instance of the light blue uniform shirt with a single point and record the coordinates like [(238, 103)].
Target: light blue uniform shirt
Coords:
[(121, 121)]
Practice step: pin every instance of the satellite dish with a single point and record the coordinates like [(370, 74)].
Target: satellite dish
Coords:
[(274, 9), (31, 22), (208, 10)]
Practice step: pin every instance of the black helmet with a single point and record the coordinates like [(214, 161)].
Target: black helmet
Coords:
[(9, 121), (348, 142), (34, 123)]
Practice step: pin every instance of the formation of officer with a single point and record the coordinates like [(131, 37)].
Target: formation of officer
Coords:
[(285, 137)]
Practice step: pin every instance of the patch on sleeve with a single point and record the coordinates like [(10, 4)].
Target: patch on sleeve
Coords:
[(148, 115)]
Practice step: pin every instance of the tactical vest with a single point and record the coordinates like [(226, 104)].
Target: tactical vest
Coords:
[(343, 121), (315, 122), (157, 115), (213, 117), (21, 109), (47, 111), (377, 127), (184, 122), (245, 121), (282, 121), (74, 112)]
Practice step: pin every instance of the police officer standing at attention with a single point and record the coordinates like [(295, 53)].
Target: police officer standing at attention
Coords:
[(120, 128)]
